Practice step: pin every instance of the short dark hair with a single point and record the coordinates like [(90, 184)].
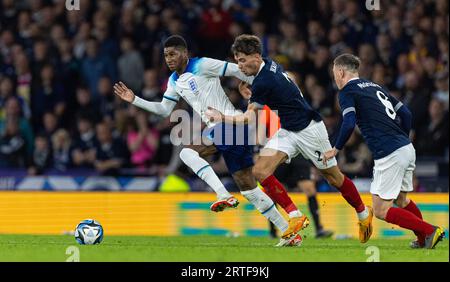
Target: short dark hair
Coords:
[(247, 44), (348, 61), (175, 41)]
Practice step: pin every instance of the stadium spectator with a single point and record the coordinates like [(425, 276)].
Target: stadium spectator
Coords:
[(83, 153), (416, 98), (47, 96), (149, 35), (142, 140), (85, 106), (41, 160), (68, 71), (6, 91), (61, 144), (111, 153), (24, 77), (130, 65), (50, 124), (442, 90), (106, 100), (13, 152), (213, 30), (95, 65), (432, 137), (151, 90), (13, 111)]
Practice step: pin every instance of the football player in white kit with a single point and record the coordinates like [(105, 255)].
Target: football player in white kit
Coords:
[(197, 81)]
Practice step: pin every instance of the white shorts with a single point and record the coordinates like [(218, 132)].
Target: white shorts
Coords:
[(311, 142), (394, 173)]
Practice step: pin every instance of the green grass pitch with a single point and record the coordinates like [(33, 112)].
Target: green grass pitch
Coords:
[(211, 249)]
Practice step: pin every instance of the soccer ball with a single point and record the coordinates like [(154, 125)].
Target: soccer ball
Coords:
[(89, 232)]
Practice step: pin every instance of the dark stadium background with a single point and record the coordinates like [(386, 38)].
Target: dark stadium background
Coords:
[(57, 69)]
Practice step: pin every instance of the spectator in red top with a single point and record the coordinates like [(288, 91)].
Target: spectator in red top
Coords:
[(214, 27)]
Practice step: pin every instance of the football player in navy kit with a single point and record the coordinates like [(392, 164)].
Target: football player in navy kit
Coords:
[(385, 124), (302, 132)]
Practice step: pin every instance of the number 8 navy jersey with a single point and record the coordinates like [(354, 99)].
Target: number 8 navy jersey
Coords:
[(376, 116)]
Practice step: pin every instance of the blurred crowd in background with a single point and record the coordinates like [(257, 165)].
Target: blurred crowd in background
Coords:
[(57, 69)]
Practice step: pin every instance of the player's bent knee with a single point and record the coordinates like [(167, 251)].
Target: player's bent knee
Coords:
[(380, 213), (260, 173), (333, 176), (333, 181), (402, 201)]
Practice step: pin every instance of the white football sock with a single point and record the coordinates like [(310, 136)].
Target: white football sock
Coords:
[(266, 207), (364, 214), (202, 168), (295, 213)]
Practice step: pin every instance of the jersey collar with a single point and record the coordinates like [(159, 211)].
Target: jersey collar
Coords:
[(355, 78), (260, 67)]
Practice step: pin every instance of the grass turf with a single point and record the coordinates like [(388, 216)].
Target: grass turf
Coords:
[(211, 249)]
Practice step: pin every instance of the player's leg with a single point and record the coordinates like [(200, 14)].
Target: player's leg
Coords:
[(405, 203), (239, 161), (312, 142), (298, 174), (262, 202), (193, 157), (349, 192), (308, 186), (263, 170), (347, 188), (384, 210), (388, 181)]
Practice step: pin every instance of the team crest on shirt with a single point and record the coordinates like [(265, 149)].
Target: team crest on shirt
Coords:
[(193, 86), (273, 67)]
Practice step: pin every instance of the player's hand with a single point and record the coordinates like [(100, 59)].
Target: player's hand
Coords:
[(121, 90), (213, 115), (329, 155), (246, 93)]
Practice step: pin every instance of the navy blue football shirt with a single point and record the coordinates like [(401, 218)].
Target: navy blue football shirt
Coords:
[(273, 87), (376, 116)]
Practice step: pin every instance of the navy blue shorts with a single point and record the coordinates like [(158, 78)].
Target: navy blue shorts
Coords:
[(234, 142)]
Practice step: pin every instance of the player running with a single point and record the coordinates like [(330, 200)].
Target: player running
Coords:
[(196, 80), (377, 114), (302, 130)]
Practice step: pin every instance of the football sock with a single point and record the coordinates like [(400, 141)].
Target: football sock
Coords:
[(266, 207), (278, 193), (408, 220), (411, 207), (314, 210), (364, 214), (202, 168), (351, 195)]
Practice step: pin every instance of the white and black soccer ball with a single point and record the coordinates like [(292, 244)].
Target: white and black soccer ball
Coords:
[(89, 232)]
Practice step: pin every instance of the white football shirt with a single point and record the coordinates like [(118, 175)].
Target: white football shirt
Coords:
[(200, 86)]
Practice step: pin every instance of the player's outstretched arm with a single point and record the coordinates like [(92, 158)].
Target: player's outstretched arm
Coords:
[(125, 93), (348, 125), (214, 67), (232, 69), (248, 117), (164, 108)]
